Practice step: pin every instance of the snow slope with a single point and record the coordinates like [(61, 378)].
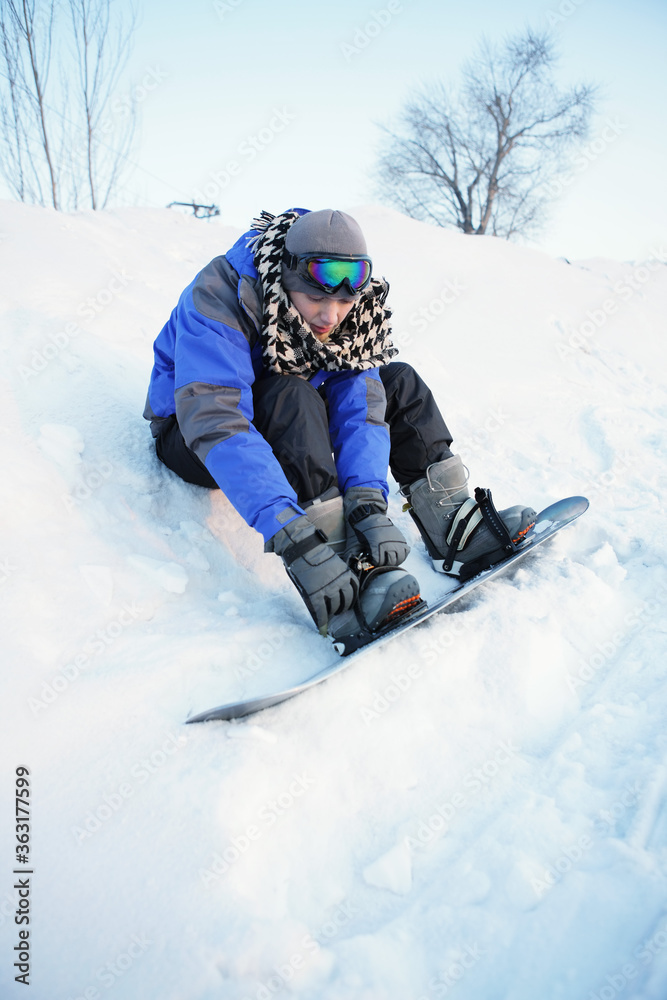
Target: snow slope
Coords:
[(490, 826)]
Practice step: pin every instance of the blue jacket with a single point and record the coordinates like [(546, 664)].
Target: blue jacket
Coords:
[(206, 358)]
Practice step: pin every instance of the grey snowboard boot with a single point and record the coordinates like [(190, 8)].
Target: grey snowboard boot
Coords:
[(463, 535), (386, 593)]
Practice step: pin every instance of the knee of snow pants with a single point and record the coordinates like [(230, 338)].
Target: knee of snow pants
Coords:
[(418, 433), (174, 453), (292, 416)]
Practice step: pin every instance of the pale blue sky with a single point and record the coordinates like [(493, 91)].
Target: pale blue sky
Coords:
[(258, 104)]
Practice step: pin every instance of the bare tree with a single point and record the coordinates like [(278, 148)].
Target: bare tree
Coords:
[(102, 49), (27, 35), (59, 144), (481, 161)]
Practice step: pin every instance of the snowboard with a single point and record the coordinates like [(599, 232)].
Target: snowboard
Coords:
[(547, 523)]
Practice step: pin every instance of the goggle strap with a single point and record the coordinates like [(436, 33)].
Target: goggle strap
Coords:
[(291, 260)]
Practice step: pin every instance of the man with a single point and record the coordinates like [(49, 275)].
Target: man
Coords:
[(273, 381)]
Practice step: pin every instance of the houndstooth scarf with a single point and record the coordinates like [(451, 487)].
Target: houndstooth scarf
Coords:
[(288, 345)]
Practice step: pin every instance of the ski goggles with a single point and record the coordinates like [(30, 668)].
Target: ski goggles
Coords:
[(330, 273)]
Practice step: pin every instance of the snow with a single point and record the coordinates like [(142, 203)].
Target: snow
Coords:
[(492, 824), (393, 870)]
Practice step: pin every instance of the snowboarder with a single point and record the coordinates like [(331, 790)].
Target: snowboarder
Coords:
[(273, 381)]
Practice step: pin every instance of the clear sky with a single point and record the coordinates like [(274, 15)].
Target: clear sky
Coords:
[(257, 104)]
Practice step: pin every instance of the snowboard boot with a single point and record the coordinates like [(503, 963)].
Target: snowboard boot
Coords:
[(386, 594), (463, 535)]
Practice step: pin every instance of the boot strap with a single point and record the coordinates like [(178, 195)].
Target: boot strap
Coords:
[(467, 518), (493, 520), (469, 515)]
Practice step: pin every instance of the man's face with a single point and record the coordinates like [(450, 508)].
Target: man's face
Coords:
[(322, 313)]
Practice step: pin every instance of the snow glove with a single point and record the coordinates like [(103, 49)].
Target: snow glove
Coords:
[(327, 585), (370, 530)]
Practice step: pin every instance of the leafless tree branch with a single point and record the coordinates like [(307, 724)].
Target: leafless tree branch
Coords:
[(481, 161), (57, 134)]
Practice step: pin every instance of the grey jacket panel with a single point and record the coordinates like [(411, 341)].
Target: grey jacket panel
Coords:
[(208, 414), (216, 295), (156, 421), (250, 297), (376, 402)]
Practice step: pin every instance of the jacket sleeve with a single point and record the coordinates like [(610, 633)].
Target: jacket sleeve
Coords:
[(359, 433), (214, 408)]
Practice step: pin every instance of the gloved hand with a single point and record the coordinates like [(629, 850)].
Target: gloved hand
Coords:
[(370, 528), (327, 585)]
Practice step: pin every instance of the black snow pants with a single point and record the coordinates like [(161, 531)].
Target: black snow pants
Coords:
[(292, 416)]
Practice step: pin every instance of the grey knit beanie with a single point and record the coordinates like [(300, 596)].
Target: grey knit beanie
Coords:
[(321, 233)]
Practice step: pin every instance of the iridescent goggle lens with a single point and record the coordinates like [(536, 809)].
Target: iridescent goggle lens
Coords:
[(330, 273)]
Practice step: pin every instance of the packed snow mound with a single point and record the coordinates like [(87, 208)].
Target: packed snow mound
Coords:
[(492, 823)]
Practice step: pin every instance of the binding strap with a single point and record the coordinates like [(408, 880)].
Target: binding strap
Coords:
[(469, 515), (493, 520)]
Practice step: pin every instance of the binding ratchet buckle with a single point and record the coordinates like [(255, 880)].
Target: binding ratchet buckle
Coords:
[(470, 515)]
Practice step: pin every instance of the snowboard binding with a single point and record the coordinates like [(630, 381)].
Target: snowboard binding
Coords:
[(502, 544), (464, 535), (387, 597)]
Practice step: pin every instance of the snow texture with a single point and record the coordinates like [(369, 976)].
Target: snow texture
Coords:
[(492, 826)]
